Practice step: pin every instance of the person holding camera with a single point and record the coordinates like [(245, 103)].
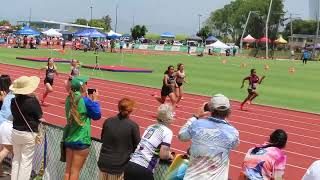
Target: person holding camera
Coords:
[(212, 137), (81, 106)]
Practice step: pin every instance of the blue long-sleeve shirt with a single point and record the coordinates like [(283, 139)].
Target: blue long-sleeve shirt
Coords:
[(5, 112), (93, 108)]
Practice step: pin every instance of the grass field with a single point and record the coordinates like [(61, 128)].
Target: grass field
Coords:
[(206, 75)]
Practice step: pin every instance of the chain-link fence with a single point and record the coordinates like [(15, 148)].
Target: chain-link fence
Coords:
[(47, 164)]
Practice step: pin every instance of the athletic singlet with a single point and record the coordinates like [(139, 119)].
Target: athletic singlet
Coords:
[(75, 71), (170, 80), (253, 81), (50, 72), (180, 76)]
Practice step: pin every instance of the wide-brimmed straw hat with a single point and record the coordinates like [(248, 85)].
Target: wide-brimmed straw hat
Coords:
[(25, 85)]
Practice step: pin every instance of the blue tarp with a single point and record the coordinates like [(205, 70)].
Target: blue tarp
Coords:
[(27, 31), (167, 35), (212, 38), (92, 33)]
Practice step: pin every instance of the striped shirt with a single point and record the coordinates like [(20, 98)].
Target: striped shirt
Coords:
[(147, 152)]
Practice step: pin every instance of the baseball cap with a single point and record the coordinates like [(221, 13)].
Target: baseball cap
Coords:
[(77, 82), (219, 102)]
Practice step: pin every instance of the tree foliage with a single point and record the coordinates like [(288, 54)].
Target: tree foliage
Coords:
[(300, 27), (204, 32), (104, 22), (138, 31), (5, 23), (230, 20)]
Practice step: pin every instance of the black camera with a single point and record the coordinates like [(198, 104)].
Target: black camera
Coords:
[(91, 91), (206, 107)]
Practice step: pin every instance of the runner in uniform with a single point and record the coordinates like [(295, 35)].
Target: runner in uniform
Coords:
[(254, 80), (51, 70), (75, 71), (180, 79), (168, 87)]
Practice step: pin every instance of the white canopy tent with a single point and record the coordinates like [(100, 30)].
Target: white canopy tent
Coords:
[(52, 33), (218, 45), (113, 34)]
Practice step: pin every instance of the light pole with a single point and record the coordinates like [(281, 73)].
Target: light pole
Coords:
[(267, 39), (245, 27), (30, 17), (317, 31), (115, 28), (91, 13), (199, 21)]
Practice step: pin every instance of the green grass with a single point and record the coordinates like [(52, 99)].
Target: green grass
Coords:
[(206, 75)]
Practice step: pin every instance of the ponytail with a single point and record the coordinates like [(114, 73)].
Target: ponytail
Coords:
[(73, 113), (277, 139)]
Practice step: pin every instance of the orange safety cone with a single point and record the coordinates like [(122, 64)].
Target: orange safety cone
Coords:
[(224, 61), (292, 70)]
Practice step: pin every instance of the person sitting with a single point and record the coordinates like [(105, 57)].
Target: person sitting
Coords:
[(266, 161)]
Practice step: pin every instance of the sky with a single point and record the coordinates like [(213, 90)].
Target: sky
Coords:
[(177, 16)]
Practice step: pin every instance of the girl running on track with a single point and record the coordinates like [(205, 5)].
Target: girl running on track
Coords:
[(254, 80), (180, 79), (75, 71), (168, 87), (51, 70)]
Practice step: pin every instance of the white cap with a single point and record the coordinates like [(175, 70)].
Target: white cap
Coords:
[(219, 102)]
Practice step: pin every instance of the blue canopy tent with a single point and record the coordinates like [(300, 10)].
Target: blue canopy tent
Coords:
[(167, 35), (92, 33), (27, 31), (212, 38)]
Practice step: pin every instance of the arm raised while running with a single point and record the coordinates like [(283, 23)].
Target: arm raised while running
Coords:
[(261, 79), (246, 78)]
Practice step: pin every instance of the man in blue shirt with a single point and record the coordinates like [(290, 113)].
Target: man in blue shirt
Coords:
[(306, 56), (212, 139)]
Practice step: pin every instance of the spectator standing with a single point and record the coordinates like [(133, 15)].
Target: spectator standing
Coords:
[(120, 137), (306, 56), (26, 112), (80, 109), (5, 118), (155, 143), (212, 139), (266, 161)]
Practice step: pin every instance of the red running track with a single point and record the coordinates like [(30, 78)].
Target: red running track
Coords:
[(255, 125)]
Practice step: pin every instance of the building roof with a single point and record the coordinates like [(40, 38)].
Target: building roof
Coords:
[(62, 23)]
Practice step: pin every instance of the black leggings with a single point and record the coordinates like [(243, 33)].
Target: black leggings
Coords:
[(304, 61), (134, 171)]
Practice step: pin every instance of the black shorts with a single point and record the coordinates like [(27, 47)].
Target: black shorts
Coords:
[(47, 80), (76, 146), (165, 91), (134, 171), (179, 84), (251, 91)]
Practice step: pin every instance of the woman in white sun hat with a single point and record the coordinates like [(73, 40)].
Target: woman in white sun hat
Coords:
[(26, 112)]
